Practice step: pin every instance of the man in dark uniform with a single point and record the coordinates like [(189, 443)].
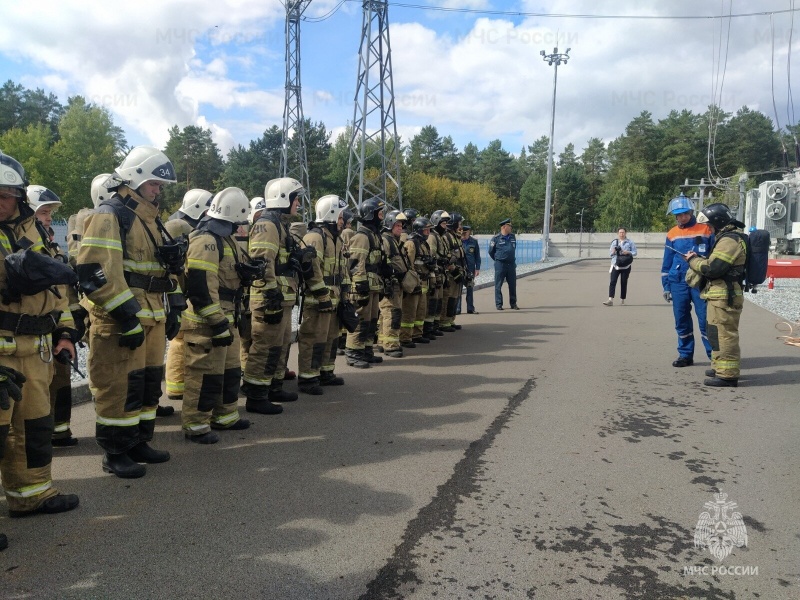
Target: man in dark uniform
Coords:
[(472, 255), (502, 250)]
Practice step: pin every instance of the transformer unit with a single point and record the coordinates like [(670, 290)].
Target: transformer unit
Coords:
[(775, 206)]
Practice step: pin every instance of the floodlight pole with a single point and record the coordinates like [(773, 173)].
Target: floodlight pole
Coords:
[(552, 60)]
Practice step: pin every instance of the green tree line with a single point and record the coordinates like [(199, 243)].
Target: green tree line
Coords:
[(624, 182)]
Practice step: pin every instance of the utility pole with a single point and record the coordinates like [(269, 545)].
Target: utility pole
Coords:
[(552, 60), (580, 238), (374, 142), (294, 157)]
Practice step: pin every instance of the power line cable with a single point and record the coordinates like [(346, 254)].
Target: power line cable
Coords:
[(790, 102), (510, 13), (326, 16)]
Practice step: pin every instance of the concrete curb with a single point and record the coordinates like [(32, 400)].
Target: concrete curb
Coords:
[(82, 395)]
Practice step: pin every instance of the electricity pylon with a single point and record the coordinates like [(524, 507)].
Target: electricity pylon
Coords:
[(373, 141), (294, 157)]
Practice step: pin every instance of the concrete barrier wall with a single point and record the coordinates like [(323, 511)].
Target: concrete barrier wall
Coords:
[(596, 245)]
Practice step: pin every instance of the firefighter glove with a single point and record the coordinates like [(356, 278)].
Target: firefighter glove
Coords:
[(132, 335), (221, 334), (11, 382), (667, 296), (325, 305), (173, 323), (273, 300), (362, 288)]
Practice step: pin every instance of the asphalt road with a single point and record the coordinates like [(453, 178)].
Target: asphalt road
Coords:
[(552, 452)]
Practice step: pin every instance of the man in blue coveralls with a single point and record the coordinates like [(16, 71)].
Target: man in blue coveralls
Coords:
[(502, 250), (687, 236), (472, 255)]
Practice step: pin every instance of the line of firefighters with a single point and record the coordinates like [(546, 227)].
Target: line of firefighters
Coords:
[(223, 296)]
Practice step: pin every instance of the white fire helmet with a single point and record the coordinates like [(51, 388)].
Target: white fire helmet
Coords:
[(329, 208), (145, 163), (231, 205), (195, 203), (278, 191)]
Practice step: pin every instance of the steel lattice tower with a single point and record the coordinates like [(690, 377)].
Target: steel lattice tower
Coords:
[(294, 157), (374, 107)]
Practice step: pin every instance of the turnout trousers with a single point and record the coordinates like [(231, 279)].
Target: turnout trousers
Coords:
[(363, 337), (127, 384), (26, 430), (683, 297), (61, 399), (450, 295), (421, 315), (409, 317), (213, 377), (269, 349), (505, 272), (312, 341), (723, 333), (331, 345), (175, 367), (391, 319)]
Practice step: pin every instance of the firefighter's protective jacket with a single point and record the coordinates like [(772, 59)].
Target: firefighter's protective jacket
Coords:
[(124, 278)]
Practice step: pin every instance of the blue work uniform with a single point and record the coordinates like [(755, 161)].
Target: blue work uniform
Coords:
[(502, 250), (472, 254), (699, 238)]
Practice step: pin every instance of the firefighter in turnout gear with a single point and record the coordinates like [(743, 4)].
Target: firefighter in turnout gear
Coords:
[(125, 267), (319, 332), (441, 253), (347, 232), (181, 223), (455, 271), (419, 254), (245, 320), (391, 305), (366, 260), (44, 202), (35, 325), (722, 271), (273, 297), (211, 340)]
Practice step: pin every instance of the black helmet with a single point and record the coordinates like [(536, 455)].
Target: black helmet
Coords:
[(717, 215), (347, 216), (420, 224), (438, 217), (411, 214), (393, 217), (370, 209), (455, 221)]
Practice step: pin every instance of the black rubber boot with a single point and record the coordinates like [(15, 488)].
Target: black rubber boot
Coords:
[(310, 386), (408, 344), (237, 426), (355, 358), (720, 382), (369, 356), (263, 407), (143, 453), (53, 505), (165, 411), (683, 361), (65, 442), (258, 400), (209, 437), (328, 378), (123, 466), (421, 340), (395, 353), (276, 393)]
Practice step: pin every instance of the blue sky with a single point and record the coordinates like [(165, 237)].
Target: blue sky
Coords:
[(475, 76)]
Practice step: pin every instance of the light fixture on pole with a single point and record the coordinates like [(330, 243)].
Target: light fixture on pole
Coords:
[(552, 60), (580, 236)]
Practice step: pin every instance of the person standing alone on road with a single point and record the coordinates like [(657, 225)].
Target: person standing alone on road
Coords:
[(622, 252), (502, 250)]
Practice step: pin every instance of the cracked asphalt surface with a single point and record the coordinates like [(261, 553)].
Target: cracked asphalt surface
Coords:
[(552, 452)]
